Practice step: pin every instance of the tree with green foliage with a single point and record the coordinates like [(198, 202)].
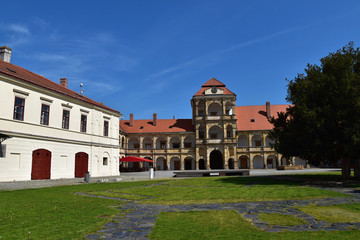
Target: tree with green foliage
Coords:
[(322, 124)]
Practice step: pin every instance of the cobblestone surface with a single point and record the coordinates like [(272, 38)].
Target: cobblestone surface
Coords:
[(138, 222)]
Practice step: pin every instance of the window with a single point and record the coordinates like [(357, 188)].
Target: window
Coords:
[(2, 150), (257, 143), (44, 118), (187, 144), (176, 145), (162, 144), (201, 135), (213, 135), (83, 123), (105, 161), (228, 134), (106, 128), (65, 119), (227, 111), (213, 113), (147, 145), (136, 145), (19, 108), (201, 113)]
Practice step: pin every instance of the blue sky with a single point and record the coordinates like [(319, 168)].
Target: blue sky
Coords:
[(148, 56)]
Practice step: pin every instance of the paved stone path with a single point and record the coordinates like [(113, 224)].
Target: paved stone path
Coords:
[(138, 219)]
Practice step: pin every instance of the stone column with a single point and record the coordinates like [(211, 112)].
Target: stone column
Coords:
[(223, 107), (154, 143), (207, 159), (141, 142), (182, 137), (249, 139), (167, 162), (182, 162), (126, 143), (251, 165), (263, 139), (265, 160), (226, 157), (279, 159), (167, 142), (206, 108), (206, 131)]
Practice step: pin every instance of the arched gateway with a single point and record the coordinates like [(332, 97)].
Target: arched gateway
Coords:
[(216, 160)]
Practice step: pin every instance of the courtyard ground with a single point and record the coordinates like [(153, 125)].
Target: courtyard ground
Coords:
[(314, 205)]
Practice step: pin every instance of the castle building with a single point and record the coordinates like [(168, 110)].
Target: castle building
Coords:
[(220, 135), (48, 131)]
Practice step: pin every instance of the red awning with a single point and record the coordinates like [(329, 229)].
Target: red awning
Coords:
[(134, 159)]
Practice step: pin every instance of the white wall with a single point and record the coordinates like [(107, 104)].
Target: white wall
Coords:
[(29, 135)]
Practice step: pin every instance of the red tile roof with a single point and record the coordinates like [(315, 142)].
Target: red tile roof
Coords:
[(245, 114), (162, 126), (30, 77), (213, 83)]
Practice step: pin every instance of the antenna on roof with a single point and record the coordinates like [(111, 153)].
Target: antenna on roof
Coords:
[(81, 89)]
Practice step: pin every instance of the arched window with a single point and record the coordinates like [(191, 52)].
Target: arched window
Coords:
[(257, 141), (229, 131), (215, 132), (201, 132), (161, 143), (189, 142), (147, 143), (201, 109), (228, 108), (243, 140), (175, 142), (214, 109)]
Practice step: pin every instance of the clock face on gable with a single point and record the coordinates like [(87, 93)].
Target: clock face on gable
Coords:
[(214, 90)]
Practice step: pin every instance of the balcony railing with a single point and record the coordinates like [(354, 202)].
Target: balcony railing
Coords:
[(255, 149)]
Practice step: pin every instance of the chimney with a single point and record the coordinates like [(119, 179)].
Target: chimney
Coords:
[(268, 113), (5, 54), (63, 82), (131, 119), (154, 119)]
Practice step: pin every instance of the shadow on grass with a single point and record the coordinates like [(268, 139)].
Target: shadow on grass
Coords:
[(328, 180)]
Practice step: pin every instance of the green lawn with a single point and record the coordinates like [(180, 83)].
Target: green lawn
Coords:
[(334, 214), (227, 225), (56, 213), (281, 219), (222, 189), (59, 213)]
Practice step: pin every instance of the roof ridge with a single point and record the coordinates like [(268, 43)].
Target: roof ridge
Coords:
[(62, 90)]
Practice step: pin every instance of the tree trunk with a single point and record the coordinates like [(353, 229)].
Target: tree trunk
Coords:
[(345, 164), (357, 169)]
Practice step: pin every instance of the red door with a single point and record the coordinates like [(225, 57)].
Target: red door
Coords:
[(81, 164), (243, 162), (41, 164)]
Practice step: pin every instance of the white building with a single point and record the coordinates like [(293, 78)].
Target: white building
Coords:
[(48, 131)]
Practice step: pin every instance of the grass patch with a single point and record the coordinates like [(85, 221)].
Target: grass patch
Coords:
[(334, 214), (57, 213), (226, 189), (117, 194), (281, 219), (227, 225)]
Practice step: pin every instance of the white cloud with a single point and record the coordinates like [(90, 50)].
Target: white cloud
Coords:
[(49, 57), (41, 22), (205, 58), (19, 28)]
